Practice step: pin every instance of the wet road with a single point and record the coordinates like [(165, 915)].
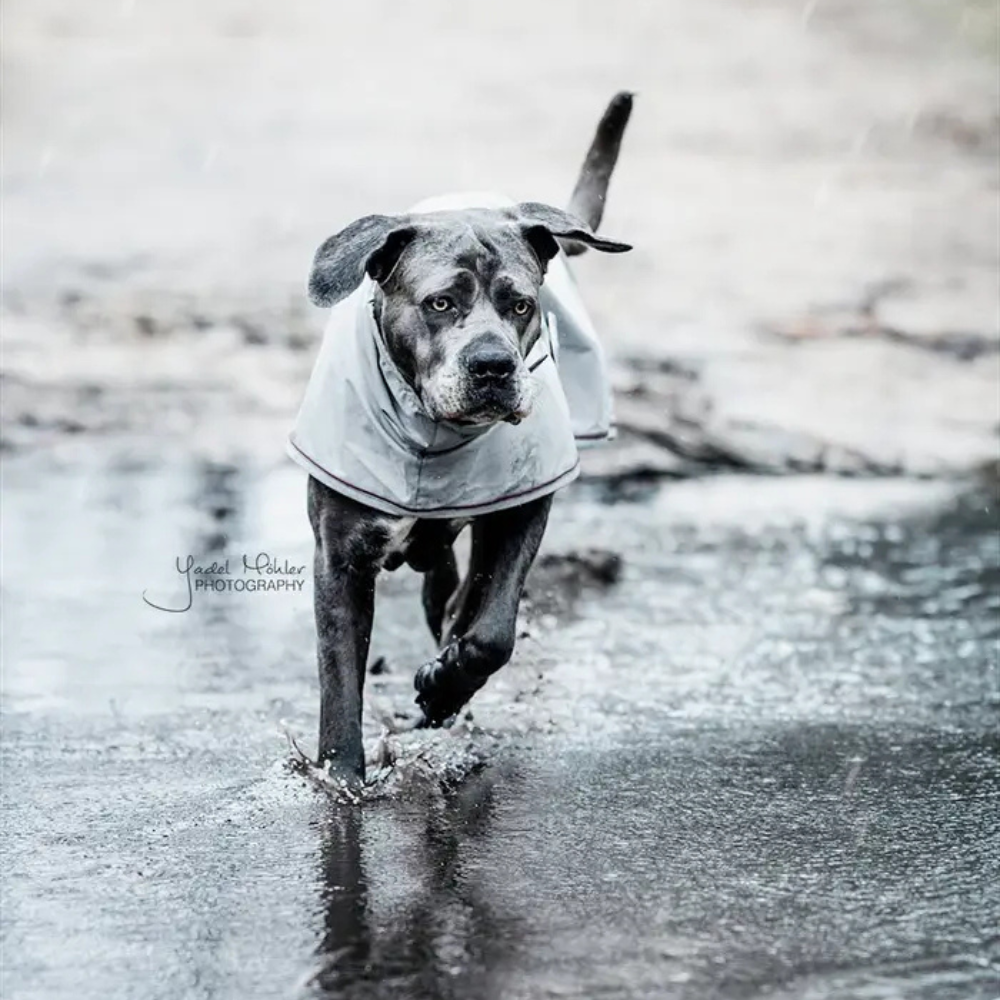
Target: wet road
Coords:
[(765, 763)]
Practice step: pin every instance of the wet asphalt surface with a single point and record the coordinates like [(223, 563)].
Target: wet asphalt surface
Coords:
[(764, 763)]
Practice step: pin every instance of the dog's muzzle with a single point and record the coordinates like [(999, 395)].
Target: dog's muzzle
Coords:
[(488, 384)]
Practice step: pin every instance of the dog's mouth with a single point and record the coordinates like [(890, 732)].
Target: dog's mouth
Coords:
[(486, 416), (487, 419), (490, 406)]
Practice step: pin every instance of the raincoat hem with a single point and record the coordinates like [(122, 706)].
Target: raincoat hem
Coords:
[(387, 506)]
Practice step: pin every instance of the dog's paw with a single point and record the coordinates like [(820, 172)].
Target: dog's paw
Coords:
[(428, 676), (439, 697), (428, 684), (431, 717)]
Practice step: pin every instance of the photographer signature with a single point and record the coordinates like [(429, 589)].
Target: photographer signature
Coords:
[(262, 573)]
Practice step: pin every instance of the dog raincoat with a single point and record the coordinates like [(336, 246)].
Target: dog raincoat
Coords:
[(363, 432)]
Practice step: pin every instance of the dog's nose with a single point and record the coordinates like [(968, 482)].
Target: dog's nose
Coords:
[(492, 363)]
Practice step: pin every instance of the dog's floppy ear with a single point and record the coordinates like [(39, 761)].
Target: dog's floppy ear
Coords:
[(542, 225), (371, 245)]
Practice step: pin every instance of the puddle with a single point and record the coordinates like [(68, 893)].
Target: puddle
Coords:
[(761, 760)]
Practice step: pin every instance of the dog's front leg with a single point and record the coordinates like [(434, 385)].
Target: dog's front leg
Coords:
[(481, 637), (350, 543)]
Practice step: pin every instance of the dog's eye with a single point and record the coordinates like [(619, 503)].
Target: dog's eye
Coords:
[(522, 307), (440, 303)]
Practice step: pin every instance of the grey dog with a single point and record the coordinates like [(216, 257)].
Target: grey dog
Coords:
[(463, 355)]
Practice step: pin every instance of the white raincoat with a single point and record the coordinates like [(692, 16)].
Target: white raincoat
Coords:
[(363, 432)]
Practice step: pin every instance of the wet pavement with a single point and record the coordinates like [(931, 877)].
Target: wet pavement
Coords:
[(762, 763)]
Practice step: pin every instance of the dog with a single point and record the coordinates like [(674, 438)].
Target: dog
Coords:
[(435, 405)]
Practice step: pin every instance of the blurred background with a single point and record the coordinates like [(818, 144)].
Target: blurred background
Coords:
[(810, 185), (747, 745)]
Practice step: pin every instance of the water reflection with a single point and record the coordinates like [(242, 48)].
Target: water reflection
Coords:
[(442, 936), (840, 859)]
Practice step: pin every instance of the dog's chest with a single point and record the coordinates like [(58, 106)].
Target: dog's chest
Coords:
[(399, 531), (418, 541)]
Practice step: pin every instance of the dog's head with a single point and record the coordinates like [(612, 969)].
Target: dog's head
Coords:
[(457, 298)]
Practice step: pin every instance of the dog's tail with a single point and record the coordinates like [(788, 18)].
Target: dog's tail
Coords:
[(591, 188)]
